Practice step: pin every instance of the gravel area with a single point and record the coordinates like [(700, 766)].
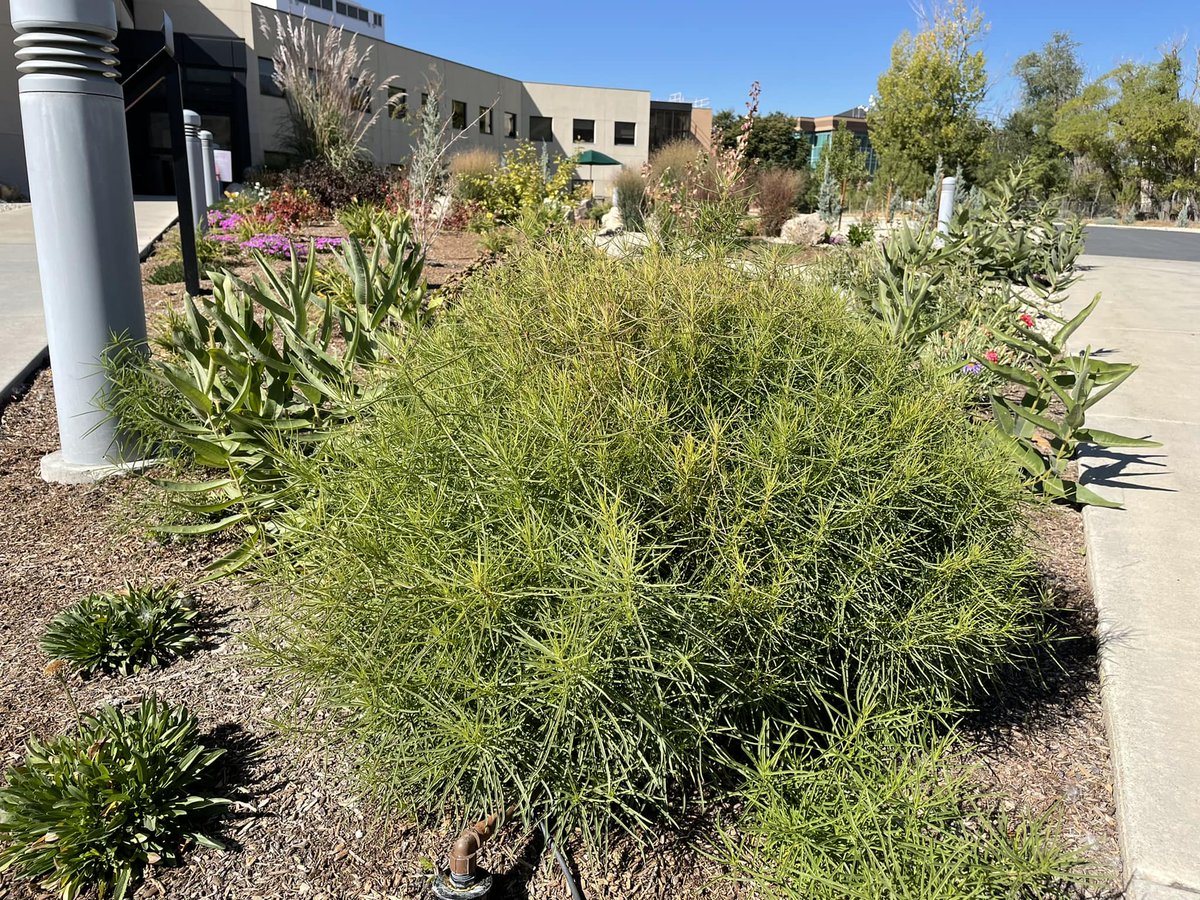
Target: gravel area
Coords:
[(301, 828)]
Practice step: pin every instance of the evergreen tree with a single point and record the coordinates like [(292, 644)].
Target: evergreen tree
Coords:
[(829, 206)]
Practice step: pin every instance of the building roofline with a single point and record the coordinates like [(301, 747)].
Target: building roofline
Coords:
[(384, 40)]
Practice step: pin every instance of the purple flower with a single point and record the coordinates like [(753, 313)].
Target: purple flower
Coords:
[(972, 369)]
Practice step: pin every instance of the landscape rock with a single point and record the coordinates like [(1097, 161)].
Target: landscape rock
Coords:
[(611, 220), (805, 229)]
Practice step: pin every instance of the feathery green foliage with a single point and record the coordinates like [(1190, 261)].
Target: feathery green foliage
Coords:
[(93, 808), (144, 626), (883, 807), (612, 516)]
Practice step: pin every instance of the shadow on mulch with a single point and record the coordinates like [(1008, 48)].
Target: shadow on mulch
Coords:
[(236, 778), (1058, 675)]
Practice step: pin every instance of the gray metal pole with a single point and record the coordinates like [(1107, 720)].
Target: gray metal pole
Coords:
[(73, 114), (210, 169), (195, 160), (946, 205)]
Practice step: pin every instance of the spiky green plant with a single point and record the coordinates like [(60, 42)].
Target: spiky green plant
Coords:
[(146, 625), (610, 516), (93, 808), (262, 363), (1040, 443)]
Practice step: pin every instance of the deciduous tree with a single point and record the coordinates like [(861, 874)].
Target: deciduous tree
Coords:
[(928, 100)]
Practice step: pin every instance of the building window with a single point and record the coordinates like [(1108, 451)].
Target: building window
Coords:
[(378, 20), (624, 132), (397, 103), (583, 131), (360, 96), (541, 128), (424, 99), (510, 125), (341, 8), (266, 78), (485, 120), (458, 114), (327, 4)]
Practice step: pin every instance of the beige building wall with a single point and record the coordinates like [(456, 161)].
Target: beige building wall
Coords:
[(390, 139), (563, 103)]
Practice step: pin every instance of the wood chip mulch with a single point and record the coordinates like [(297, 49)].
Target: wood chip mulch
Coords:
[(301, 829)]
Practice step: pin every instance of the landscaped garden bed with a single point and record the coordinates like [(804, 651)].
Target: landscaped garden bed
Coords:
[(715, 568), (301, 824)]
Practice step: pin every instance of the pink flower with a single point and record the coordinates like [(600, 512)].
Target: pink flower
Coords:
[(992, 356), (1026, 320)]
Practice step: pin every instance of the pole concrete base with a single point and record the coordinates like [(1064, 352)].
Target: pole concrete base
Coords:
[(57, 470)]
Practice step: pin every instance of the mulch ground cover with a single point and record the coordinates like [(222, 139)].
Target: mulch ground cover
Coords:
[(301, 829)]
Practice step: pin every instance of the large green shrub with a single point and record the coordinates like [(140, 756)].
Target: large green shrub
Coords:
[(611, 516), (94, 807)]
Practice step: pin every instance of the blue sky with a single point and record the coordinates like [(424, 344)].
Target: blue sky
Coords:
[(812, 58)]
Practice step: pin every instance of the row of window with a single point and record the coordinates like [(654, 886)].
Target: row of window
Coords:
[(347, 9), (541, 128)]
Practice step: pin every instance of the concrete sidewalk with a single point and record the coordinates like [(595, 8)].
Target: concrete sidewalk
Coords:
[(1144, 563), (22, 331)]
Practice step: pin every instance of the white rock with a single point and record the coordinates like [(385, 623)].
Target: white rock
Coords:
[(804, 229)]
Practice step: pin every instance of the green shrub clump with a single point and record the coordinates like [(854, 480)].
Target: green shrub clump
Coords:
[(144, 626), (885, 807), (608, 518), (93, 808)]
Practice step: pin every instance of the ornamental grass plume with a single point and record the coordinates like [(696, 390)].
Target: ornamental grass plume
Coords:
[(327, 82)]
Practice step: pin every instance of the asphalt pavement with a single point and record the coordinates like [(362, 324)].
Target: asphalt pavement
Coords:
[(1143, 242)]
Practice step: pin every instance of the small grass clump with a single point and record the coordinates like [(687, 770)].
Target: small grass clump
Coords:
[(609, 518), (883, 806), (124, 632), (93, 808)]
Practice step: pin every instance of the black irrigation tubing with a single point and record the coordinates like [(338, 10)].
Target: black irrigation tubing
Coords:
[(572, 884)]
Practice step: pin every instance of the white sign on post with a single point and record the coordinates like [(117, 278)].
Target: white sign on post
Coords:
[(223, 161)]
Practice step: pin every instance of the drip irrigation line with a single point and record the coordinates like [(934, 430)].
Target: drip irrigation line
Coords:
[(572, 884)]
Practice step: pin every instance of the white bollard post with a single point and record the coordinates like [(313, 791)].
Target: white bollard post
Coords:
[(210, 169), (946, 206), (73, 112), (195, 161)]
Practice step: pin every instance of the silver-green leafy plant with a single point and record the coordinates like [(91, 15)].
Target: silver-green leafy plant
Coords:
[(265, 364), (1041, 443), (904, 298), (93, 808), (1015, 235), (146, 625)]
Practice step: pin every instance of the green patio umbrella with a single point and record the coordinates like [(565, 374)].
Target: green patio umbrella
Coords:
[(591, 158)]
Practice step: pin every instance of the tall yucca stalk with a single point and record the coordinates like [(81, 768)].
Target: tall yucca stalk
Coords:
[(325, 77)]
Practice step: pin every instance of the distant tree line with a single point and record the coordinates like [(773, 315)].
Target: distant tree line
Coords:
[(1127, 142)]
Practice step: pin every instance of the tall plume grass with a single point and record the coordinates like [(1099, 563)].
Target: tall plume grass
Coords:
[(326, 79)]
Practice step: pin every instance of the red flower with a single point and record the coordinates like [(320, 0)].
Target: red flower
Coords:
[(992, 356), (1026, 320)]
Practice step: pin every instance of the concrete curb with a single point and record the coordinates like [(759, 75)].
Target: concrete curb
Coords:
[(15, 383), (1152, 229), (1142, 567), (42, 356)]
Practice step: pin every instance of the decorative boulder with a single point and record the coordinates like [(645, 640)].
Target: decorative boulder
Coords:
[(611, 221), (805, 230)]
